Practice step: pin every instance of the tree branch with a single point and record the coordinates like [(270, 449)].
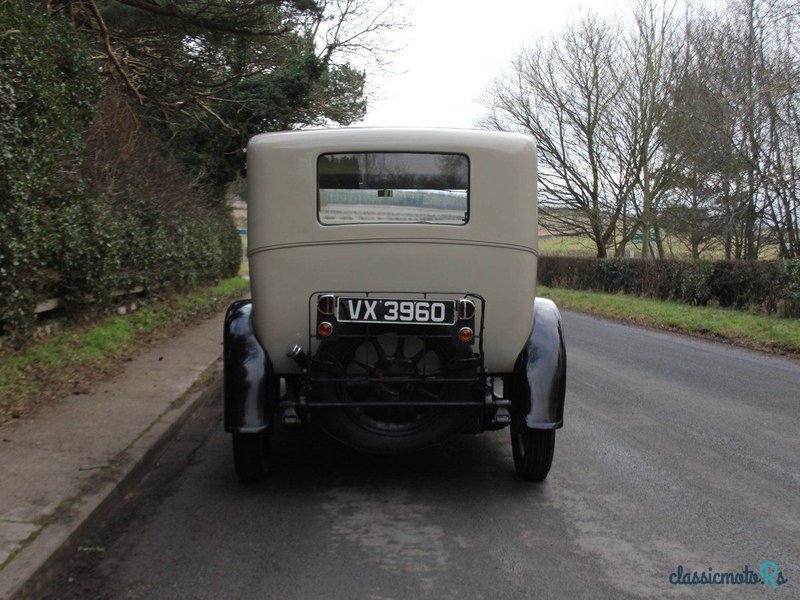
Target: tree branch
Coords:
[(171, 10), (110, 51)]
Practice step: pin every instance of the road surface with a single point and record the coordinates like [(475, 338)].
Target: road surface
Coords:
[(675, 452)]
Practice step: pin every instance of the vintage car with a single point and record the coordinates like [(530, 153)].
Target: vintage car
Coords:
[(393, 278)]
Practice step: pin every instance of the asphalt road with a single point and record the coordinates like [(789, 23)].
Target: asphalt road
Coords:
[(675, 452)]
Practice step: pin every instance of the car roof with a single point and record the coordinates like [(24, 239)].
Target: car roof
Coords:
[(381, 138)]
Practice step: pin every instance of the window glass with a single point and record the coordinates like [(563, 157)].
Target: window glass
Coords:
[(393, 187)]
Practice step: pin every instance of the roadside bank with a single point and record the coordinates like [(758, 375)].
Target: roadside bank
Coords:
[(758, 332), (73, 360)]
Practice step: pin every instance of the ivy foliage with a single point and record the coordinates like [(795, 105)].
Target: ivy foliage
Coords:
[(47, 93), (82, 218), (48, 89)]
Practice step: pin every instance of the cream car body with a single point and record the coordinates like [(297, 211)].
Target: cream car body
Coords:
[(434, 231), (292, 255)]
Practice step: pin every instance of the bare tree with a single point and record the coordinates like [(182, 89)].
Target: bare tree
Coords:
[(648, 74), (739, 93), (347, 29), (562, 91), (781, 176)]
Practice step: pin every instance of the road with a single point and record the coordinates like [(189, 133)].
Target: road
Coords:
[(675, 451)]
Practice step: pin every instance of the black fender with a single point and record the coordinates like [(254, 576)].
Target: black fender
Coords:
[(540, 373), (251, 387)]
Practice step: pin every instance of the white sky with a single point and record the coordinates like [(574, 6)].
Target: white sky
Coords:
[(454, 49)]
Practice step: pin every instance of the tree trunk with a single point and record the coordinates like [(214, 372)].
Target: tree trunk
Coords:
[(659, 242), (601, 248)]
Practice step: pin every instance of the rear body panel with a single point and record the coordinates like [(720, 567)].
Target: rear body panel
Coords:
[(394, 267), (292, 255)]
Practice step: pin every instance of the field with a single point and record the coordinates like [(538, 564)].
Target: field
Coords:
[(562, 245), (581, 245), (555, 244)]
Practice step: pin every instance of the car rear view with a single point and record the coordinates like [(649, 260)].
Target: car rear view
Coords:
[(393, 276)]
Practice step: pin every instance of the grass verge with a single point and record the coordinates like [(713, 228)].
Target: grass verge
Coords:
[(72, 360), (753, 331)]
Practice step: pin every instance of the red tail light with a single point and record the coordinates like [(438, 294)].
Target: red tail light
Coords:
[(465, 334), (326, 305), (324, 329)]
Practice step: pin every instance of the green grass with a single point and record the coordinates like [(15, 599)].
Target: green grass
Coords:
[(81, 354), (563, 245), (754, 331)]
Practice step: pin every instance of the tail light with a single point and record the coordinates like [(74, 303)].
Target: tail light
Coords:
[(465, 334), (324, 329), (466, 309), (326, 304)]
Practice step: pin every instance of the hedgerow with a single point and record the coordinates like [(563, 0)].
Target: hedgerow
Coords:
[(774, 286), (89, 204), (47, 93)]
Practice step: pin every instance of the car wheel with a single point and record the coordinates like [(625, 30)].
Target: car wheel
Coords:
[(532, 450), (251, 456), (393, 428)]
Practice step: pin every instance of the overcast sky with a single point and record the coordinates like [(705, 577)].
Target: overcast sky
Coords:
[(453, 51)]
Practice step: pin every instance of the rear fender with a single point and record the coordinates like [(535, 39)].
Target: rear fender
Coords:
[(540, 373), (251, 387)]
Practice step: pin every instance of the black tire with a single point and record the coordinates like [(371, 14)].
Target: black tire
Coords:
[(533, 450), (397, 429), (251, 456)]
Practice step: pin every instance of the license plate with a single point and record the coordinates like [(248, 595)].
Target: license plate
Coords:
[(385, 310)]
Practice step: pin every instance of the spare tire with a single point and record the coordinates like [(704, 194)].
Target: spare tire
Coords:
[(415, 369)]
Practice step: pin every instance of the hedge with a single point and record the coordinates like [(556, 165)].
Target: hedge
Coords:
[(77, 233), (88, 249), (774, 286)]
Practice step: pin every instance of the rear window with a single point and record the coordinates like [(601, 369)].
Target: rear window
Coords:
[(393, 187)]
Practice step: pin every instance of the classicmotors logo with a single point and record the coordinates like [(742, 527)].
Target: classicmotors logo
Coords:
[(768, 574)]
